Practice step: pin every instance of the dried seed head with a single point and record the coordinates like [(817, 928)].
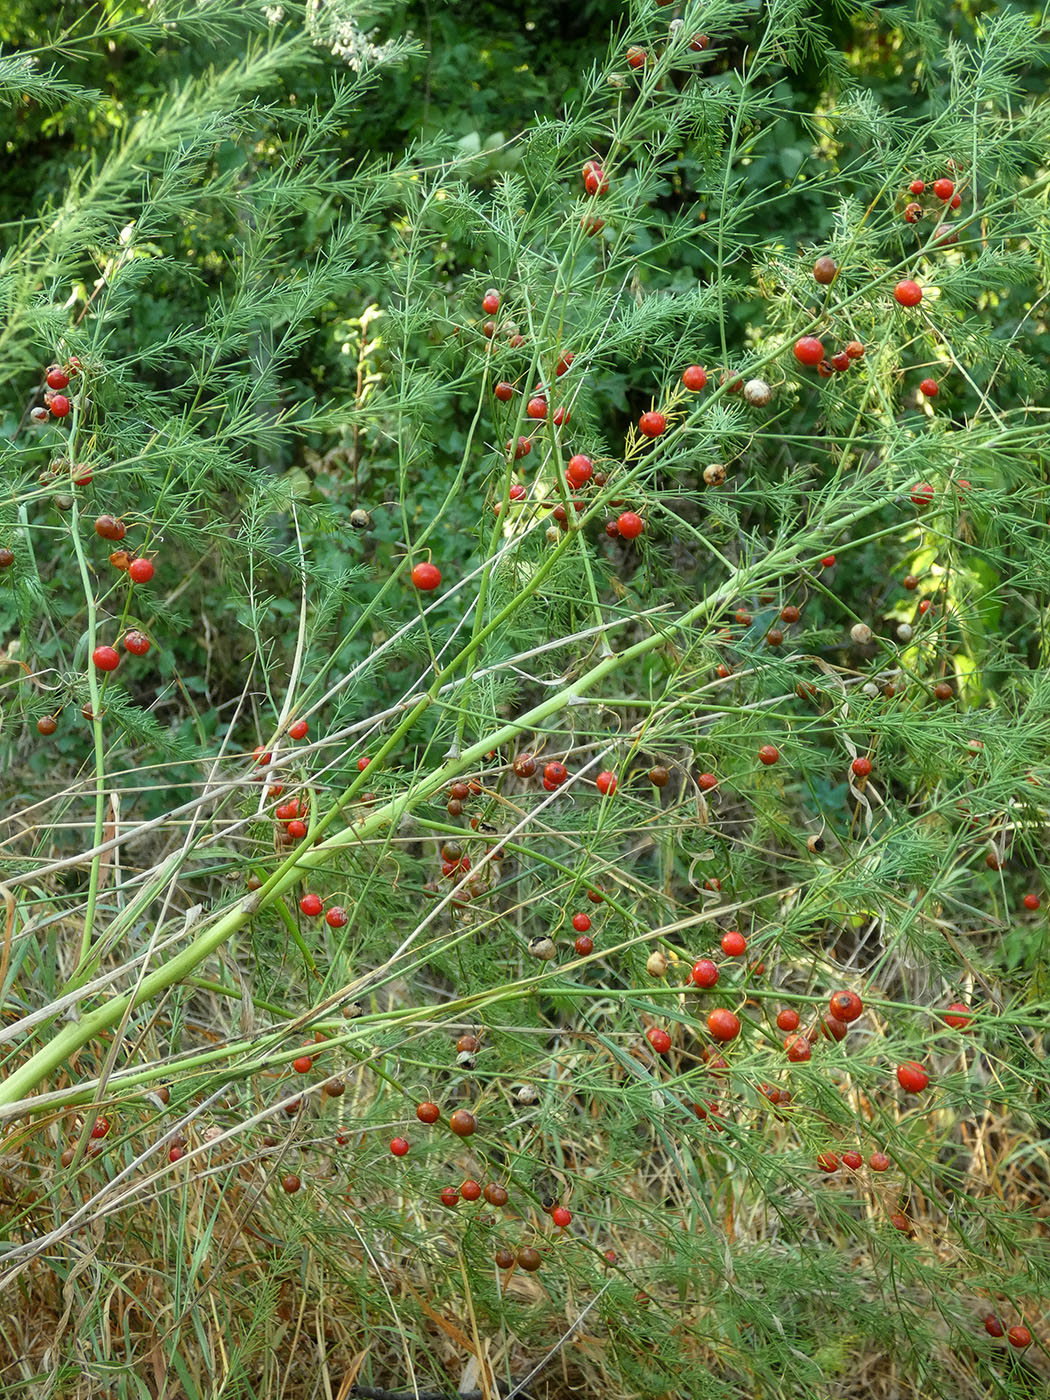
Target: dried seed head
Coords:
[(656, 964), (543, 948)]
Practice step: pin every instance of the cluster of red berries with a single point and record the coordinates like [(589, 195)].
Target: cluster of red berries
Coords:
[(312, 905), (56, 401), (809, 351), (455, 864), (946, 195)]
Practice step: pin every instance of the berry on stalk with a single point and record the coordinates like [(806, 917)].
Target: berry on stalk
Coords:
[(809, 350), (426, 577), (105, 658)]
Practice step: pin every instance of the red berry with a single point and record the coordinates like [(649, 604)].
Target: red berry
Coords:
[(855, 350), (426, 577), (658, 1039), (828, 562), (652, 424), (958, 1016), (832, 1028), (303, 1064), (706, 782), (636, 57), (490, 302), (929, 388), (140, 570), (555, 773), (136, 642), (363, 762), (798, 1049), (581, 922), (845, 1006), (537, 407), (564, 363), (59, 405), (449, 1196), (290, 1183), (630, 526), (908, 293), (828, 1162), (840, 362), (57, 378), (470, 1190), (955, 203), (606, 783), (504, 391), (917, 187), (861, 767), (462, 1122), (596, 896), (584, 945), (734, 944), (943, 189), (704, 973), (561, 1216), (699, 42), (521, 448), (853, 1160), (694, 378), (299, 729), (879, 1162), (1019, 1336), (399, 1146), (336, 917), (900, 1222), (578, 470), (912, 213), (809, 350), (106, 658), (46, 725), (296, 829), (769, 754), (922, 494), (788, 1019), (595, 181), (723, 1025), (109, 528), (100, 1128), (428, 1112), (912, 1077), (993, 1326), (174, 1153), (311, 905), (1031, 901)]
